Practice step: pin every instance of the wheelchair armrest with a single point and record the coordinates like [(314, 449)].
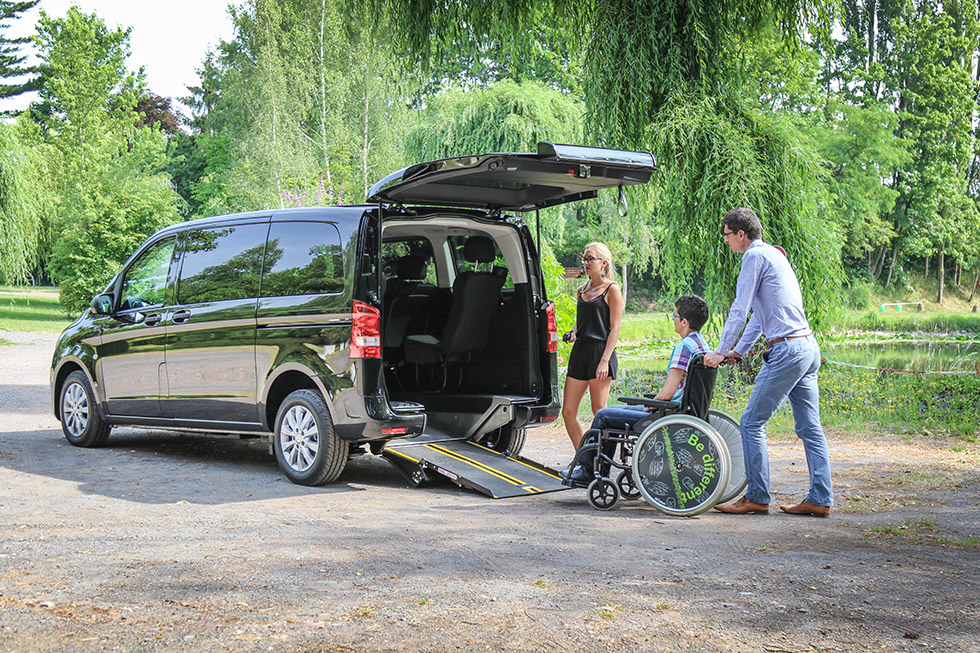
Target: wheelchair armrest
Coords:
[(651, 403)]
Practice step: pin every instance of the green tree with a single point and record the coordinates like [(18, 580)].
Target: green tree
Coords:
[(112, 190), (304, 102), (26, 200), (11, 60), (930, 74), (861, 153), (656, 75)]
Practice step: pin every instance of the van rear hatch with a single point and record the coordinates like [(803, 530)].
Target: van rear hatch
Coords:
[(557, 174)]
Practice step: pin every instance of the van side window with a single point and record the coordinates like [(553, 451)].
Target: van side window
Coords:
[(145, 283), (392, 251), (303, 258), (457, 243), (222, 263)]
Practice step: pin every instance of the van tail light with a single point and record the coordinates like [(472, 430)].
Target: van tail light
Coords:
[(549, 311), (365, 333)]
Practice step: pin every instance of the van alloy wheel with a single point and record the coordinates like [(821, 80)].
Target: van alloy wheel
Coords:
[(307, 448), (299, 438), (74, 407), (81, 422)]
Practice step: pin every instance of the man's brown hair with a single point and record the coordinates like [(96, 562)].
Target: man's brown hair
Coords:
[(743, 219)]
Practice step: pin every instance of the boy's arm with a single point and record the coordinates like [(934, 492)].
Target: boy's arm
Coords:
[(674, 377)]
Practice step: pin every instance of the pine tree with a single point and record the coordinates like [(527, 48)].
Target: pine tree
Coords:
[(11, 60)]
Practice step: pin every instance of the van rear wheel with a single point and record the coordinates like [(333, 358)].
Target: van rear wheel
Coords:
[(507, 440), (306, 445)]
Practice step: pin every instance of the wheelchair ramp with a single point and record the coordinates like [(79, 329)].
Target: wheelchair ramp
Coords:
[(468, 464)]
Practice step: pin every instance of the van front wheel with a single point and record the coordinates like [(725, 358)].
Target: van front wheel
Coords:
[(80, 419), (306, 445)]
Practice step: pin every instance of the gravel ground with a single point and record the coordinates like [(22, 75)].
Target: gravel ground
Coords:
[(163, 541)]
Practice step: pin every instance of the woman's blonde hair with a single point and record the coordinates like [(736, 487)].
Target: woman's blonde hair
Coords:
[(603, 253)]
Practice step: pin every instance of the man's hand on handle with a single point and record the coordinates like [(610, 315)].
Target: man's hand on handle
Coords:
[(714, 359)]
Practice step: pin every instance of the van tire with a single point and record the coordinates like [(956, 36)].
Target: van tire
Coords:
[(305, 442), (81, 422), (507, 440)]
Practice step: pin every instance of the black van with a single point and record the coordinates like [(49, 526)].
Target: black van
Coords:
[(333, 329)]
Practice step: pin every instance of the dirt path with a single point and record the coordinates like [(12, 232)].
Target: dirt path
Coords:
[(167, 542)]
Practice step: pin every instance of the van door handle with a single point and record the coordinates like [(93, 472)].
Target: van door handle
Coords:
[(181, 316), (152, 319)]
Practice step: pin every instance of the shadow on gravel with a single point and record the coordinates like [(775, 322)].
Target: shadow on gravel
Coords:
[(167, 467), (33, 398)]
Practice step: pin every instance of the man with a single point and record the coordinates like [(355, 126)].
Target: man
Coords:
[(767, 286)]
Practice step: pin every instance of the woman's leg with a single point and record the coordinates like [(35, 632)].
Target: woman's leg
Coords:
[(572, 399), (599, 393)]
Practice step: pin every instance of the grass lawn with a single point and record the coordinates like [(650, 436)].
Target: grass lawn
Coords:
[(30, 309)]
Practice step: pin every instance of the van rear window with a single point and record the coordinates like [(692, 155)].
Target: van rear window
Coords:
[(303, 258)]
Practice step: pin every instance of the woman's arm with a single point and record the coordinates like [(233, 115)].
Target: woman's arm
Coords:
[(615, 300)]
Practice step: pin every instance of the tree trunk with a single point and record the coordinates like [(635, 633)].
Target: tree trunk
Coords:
[(941, 272), (891, 268), (323, 103), (926, 274), (624, 283), (976, 282), (879, 262), (957, 273)]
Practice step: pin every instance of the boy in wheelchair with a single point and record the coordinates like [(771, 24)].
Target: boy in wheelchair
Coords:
[(612, 425)]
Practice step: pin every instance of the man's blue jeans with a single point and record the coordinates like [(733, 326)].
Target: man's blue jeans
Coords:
[(790, 372)]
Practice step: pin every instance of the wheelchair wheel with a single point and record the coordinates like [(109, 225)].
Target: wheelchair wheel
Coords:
[(681, 465), (727, 426), (627, 487), (603, 494)]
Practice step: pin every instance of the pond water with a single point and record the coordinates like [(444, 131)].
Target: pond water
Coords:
[(925, 355)]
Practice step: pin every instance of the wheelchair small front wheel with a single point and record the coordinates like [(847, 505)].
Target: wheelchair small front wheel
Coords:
[(681, 465), (603, 494), (627, 486)]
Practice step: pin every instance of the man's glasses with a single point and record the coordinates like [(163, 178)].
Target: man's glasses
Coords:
[(675, 316), (726, 234), (589, 259)]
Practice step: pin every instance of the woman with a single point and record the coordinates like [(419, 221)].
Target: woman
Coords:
[(592, 364)]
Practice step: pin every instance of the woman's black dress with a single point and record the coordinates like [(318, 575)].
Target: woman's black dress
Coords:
[(591, 333)]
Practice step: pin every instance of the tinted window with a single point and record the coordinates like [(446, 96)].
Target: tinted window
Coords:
[(222, 263), (145, 282), (393, 250), (303, 258), (457, 243)]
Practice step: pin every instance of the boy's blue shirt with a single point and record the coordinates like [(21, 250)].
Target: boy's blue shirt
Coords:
[(680, 358)]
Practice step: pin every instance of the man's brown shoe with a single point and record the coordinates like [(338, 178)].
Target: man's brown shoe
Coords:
[(744, 506), (806, 508)]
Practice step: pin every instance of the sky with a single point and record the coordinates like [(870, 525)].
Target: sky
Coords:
[(169, 39)]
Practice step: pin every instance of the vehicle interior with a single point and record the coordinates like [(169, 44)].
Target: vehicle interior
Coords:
[(458, 321)]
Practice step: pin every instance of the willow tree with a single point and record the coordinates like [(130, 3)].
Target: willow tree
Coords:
[(667, 75), (25, 204)]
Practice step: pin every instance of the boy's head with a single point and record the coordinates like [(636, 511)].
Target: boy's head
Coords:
[(692, 313)]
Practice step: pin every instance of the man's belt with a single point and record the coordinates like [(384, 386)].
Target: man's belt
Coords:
[(776, 341)]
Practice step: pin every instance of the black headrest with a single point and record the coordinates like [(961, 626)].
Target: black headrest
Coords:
[(411, 267), (479, 249)]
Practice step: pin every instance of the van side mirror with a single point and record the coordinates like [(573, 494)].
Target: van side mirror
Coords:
[(102, 304)]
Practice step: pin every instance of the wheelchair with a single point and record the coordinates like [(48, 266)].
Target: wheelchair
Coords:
[(681, 458)]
